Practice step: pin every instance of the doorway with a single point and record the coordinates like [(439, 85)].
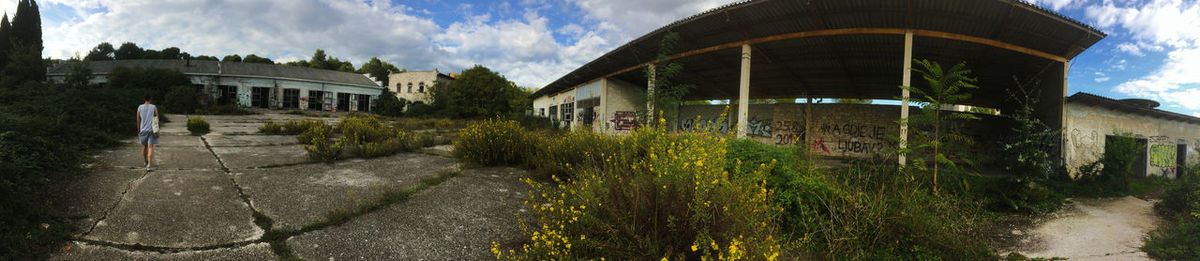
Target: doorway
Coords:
[(1121, 144), (260, 97), (226, 94), (291, 98), (1180, 160), (364, 103), (343, 102), (315, 99)]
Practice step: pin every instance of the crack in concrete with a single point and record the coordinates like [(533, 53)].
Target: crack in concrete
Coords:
[(261, 220), (168, 250), (128, 187)]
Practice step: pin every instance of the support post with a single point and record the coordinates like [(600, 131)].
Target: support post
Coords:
[(744, 93), (650, 118), (905, 81)]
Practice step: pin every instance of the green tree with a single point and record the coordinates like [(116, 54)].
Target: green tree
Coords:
[(232, 58), (102, 52), (388, 104), (320, 60), (945, 87), (378, 69), (206, 58), (181, 99), (479, 92), (128, 51), (669, 87), (171, 53), (251, 58), (79, 74), (5, 42)]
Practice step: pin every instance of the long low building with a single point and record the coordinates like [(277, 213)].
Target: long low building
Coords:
[(255, 84)]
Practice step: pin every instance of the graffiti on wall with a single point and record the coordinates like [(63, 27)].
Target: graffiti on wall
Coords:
[(854, 138), (1162, 155), (855, 130), (700, 124), (759, 128), (624, 120), (789, 132)]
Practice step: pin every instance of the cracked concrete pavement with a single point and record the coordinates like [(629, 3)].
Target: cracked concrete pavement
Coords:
[(201, 198)]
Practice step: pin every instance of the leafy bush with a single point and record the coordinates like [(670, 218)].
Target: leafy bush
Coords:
[(181, 99), (321, 146), (197, 125), (388, 104), (41, 143), (492, 143), (306, 137), (290, 127), (1179, 238), (662, 196)]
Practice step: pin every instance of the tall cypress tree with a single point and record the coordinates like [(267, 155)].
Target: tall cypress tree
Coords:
[(25, 53), (5, 41)]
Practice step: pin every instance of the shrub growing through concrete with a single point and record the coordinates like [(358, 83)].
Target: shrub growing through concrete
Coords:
[(290, 127), (197, 126), (321, 146), (492, 143)]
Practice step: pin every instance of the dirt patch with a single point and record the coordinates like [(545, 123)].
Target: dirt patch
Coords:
[(1091, 229)]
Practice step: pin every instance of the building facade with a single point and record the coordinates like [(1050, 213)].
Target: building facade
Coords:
[(256, 85), (1169, 140), (413, 86)]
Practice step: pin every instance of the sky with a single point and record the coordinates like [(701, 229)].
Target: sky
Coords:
[(1152, 50)]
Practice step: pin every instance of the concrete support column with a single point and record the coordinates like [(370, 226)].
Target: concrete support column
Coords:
[(743, 113), (650, 96), (905, 81)]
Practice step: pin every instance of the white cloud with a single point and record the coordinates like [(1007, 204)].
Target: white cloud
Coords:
[(1103, 79), (1164, 22), (647, 16), (1196, 114), (1130, 48), (523, 49)]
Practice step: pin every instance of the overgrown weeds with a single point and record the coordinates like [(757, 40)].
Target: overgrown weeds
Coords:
[(654, 194), (1179, 237)]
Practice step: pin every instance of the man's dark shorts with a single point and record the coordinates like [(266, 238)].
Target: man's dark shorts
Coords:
[(147, 137)]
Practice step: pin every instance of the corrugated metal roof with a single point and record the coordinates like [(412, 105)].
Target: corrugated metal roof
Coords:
[(232, 69), (820, 65)]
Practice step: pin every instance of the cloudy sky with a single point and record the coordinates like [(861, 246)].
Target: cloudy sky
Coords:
[(1152, 51)]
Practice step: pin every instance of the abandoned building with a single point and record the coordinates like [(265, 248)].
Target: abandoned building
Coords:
[(256, 85), (806, 50), (413, 86)]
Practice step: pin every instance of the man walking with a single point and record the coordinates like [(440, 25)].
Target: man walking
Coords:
[(146, 113)]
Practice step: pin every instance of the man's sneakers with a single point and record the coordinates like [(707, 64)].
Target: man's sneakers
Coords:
[(147, 164)]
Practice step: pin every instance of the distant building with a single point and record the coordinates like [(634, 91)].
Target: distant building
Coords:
[(1169, 140), (413, 86), (255, 84)]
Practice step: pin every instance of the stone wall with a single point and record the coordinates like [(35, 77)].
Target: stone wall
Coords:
[(1087, 127), (837, 130)]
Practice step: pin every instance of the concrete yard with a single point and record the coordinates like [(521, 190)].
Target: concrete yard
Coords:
[(216, 196)]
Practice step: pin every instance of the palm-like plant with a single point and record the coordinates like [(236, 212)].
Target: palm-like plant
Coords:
[(945, 87)]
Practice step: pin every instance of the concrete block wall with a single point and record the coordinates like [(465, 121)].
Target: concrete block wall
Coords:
[(1087, 127)]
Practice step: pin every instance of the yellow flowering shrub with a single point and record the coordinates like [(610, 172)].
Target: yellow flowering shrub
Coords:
[(583, 149), (660, 196), (321, 146), (493, 142)]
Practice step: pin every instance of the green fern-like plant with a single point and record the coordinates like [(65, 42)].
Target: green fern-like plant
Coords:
[(947, 86)]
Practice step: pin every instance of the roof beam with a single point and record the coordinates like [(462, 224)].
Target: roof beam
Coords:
[(853, 31)]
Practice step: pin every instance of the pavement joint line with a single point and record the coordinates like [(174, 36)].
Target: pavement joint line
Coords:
[(128, 187)]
